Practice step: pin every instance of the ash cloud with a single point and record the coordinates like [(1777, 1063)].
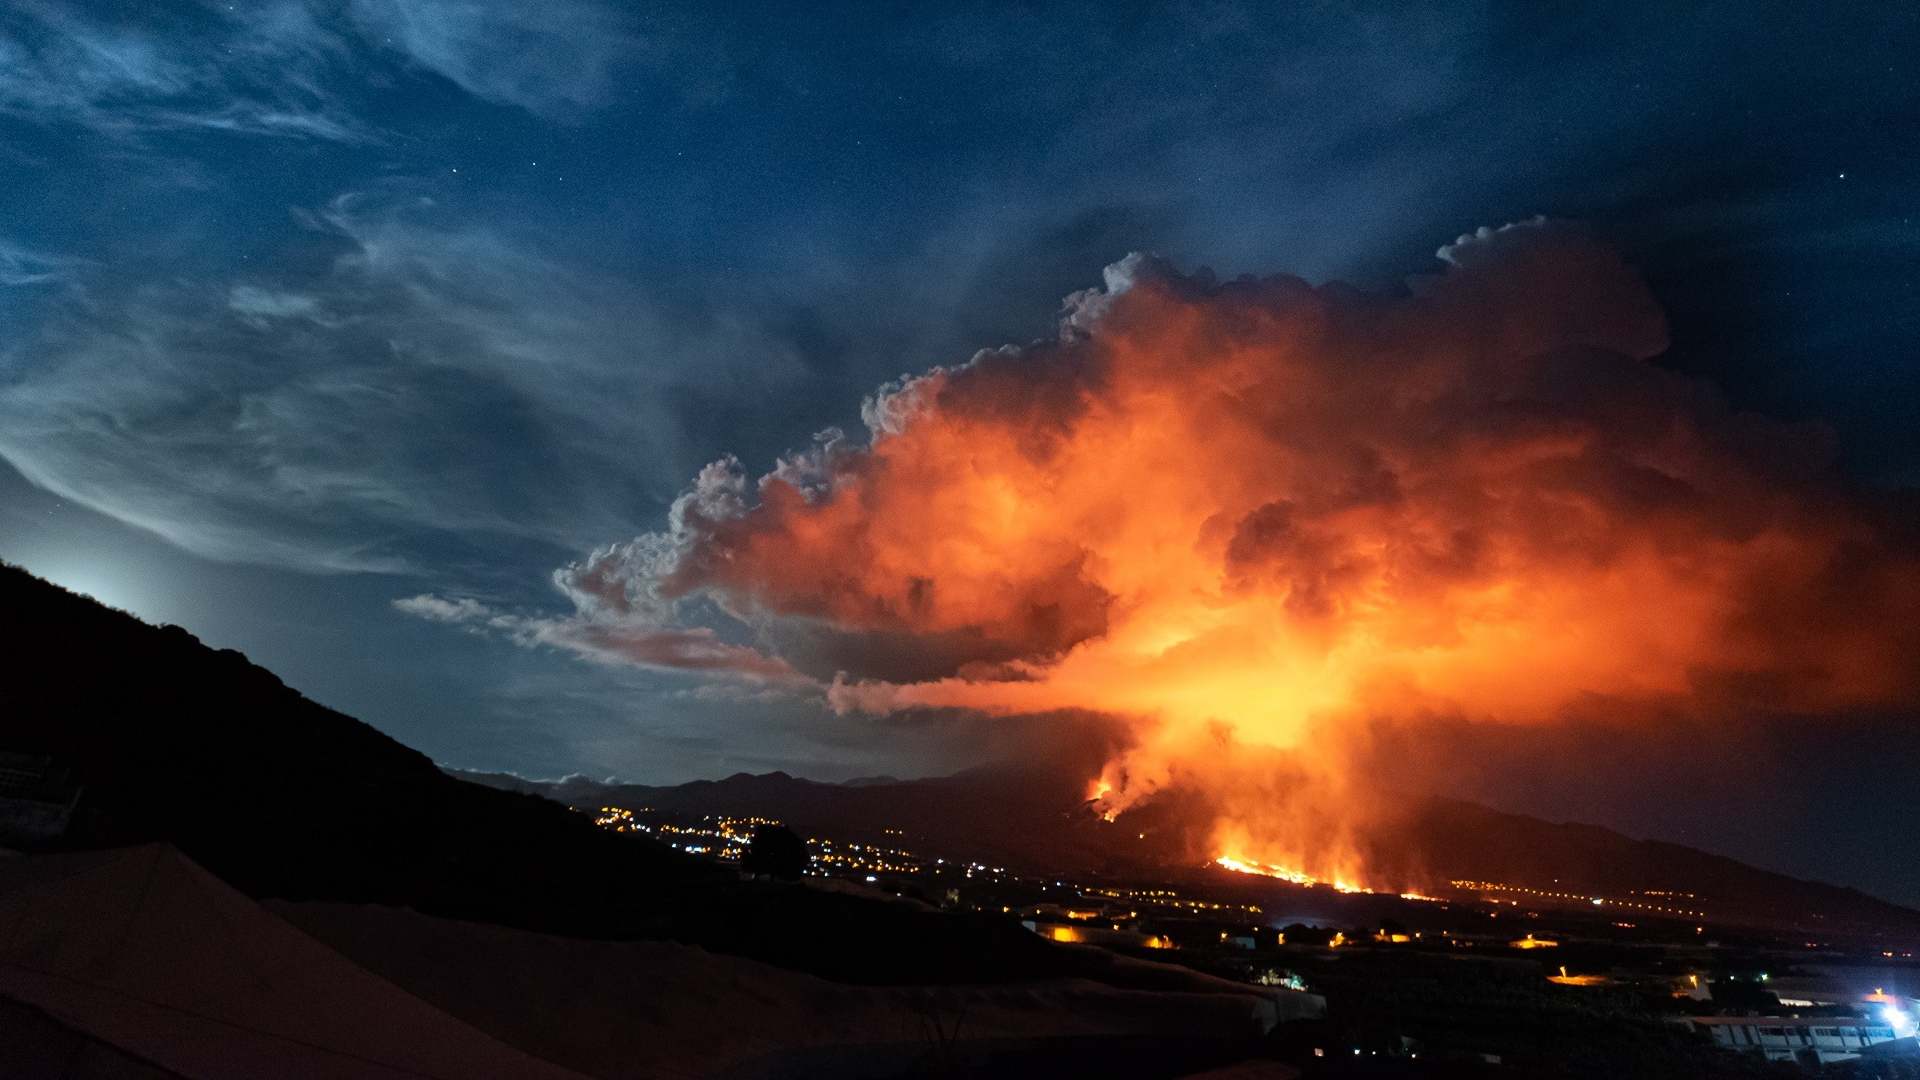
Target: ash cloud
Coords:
[(1252, 517), (1504, 412)]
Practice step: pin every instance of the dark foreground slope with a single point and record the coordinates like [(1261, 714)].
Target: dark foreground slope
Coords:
[(642, 1009), (141, 954), (282, 797), (285, 798), (192, 979)]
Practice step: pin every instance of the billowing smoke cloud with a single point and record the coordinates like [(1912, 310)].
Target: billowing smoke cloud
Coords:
[(1250, 517)]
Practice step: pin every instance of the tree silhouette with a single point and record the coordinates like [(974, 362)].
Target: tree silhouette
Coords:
[(775, 851)]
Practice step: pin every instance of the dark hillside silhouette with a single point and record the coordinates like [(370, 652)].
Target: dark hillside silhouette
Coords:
[(174, 741), (284, 798)]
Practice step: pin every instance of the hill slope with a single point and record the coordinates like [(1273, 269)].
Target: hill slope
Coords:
[(287, 799), (1468, 841), (282, 797)]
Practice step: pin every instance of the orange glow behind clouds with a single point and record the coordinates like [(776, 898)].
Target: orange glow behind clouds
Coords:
[(1255, 515)]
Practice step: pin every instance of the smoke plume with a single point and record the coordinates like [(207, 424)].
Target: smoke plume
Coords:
[(1249, 518)]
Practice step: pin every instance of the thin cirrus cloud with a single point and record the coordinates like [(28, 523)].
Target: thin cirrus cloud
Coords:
[(327, 421), (265, 71), (299, 69), (435, 387), (550, 58), (21, 266)]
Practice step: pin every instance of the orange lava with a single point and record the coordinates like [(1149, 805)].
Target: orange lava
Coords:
[(1298, 877)]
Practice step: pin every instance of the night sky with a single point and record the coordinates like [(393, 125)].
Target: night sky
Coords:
[(309, 311)]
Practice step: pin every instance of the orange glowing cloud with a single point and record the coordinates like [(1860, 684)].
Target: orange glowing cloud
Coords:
[(1251, 515)]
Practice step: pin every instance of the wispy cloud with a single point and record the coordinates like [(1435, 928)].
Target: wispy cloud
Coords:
[(258, 71), (23, 266), (260, 304), (552, 58), (634, 640), (439, 609), (306, 69), (433, 385)]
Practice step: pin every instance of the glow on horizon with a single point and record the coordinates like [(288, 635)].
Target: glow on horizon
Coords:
[(96, 582)]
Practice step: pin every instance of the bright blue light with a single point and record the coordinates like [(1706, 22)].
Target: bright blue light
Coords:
[(1899, 1020)]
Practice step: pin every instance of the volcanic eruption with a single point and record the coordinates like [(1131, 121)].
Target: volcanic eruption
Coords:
[(1247, 519)]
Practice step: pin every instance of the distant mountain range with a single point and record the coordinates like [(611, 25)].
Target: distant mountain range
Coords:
[(1030, 816), (1025, 816)]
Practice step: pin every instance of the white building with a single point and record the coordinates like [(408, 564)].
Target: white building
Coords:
[(1811, 1040)]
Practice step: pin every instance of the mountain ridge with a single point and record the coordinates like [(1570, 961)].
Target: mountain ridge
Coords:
[(1002, 815)]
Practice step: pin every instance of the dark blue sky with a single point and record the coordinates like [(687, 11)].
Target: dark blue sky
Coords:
[(309, 307)]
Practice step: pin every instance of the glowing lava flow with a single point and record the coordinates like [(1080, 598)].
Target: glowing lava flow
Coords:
[(1097, 795), (1298, 877)]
